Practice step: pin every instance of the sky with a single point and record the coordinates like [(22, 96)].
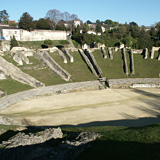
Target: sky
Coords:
[(143, 12)]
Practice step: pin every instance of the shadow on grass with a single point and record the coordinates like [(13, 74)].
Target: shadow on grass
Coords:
[(119, 144), (121, 150)]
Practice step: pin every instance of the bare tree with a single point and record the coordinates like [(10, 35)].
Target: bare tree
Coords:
[(66, 16), (56, 15)]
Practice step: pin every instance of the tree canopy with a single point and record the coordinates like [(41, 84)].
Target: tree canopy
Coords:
[(4, 17), (56, 15), (26, 22)]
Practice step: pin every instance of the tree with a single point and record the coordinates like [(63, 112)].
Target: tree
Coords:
[(56, 15), (4, 17), (44, 24), (13, 42), (26, 22), (98, 28)]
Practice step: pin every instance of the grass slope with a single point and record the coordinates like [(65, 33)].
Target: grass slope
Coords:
[(149, 68), (123, 143)]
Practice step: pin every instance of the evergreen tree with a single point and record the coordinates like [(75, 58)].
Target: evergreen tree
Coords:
[(26, 22), (13, 42)]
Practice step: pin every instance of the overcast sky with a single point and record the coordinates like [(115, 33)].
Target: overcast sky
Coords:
[(143, 12)]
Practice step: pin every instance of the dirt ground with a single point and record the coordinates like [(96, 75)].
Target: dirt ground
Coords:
[(122, 107)]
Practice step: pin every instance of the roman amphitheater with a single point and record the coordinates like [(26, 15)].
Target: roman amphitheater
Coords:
[(116, 102)]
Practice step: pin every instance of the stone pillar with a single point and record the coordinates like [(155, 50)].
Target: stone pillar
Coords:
[(104, 52), (159, 55), (125, 61), (146, 53), (132, 62), (152, 53), (110, 53)]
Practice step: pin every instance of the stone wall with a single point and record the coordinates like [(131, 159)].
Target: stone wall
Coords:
[(36, 35), (14, 72), (153, 50), (94, 62), (132, 62), (49, 90), (110, 53), (104, 52), (89, 64), (41, 35), (48, 61), (134, 82), (66, 52), (125, 66)]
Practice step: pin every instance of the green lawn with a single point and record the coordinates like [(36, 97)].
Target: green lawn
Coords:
[(110, 68), (11, 86), (38, 44), (122, 143), (149, 68), (78, 69)]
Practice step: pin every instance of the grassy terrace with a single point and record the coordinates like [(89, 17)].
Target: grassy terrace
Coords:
[(112, 69), (149, 68), (78, 69)]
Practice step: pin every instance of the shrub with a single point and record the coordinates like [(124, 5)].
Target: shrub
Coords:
[(64, 42), (48, 43), (13, 42)]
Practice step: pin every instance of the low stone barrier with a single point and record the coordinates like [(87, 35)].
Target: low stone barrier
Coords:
[(134, 82), (49, 90)]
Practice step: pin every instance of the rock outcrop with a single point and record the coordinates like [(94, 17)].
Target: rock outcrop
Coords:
[(46, 145), (14, 72)]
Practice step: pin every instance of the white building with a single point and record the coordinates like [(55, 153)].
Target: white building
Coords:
[(36, 35), (77, 23)]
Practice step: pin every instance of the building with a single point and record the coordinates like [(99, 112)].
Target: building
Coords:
[(36, 35), (77, 23)]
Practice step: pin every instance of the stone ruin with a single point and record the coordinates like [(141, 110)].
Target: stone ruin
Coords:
[(125, 61), (21, 54), (47, 144), (48, 61), (66, 52), (104, 52), (2, 76), (110, 53), (132, 62), (9, 70), (153, 51), (89, 64)]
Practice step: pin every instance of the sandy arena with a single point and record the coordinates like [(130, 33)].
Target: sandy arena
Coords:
[(120, 107)]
